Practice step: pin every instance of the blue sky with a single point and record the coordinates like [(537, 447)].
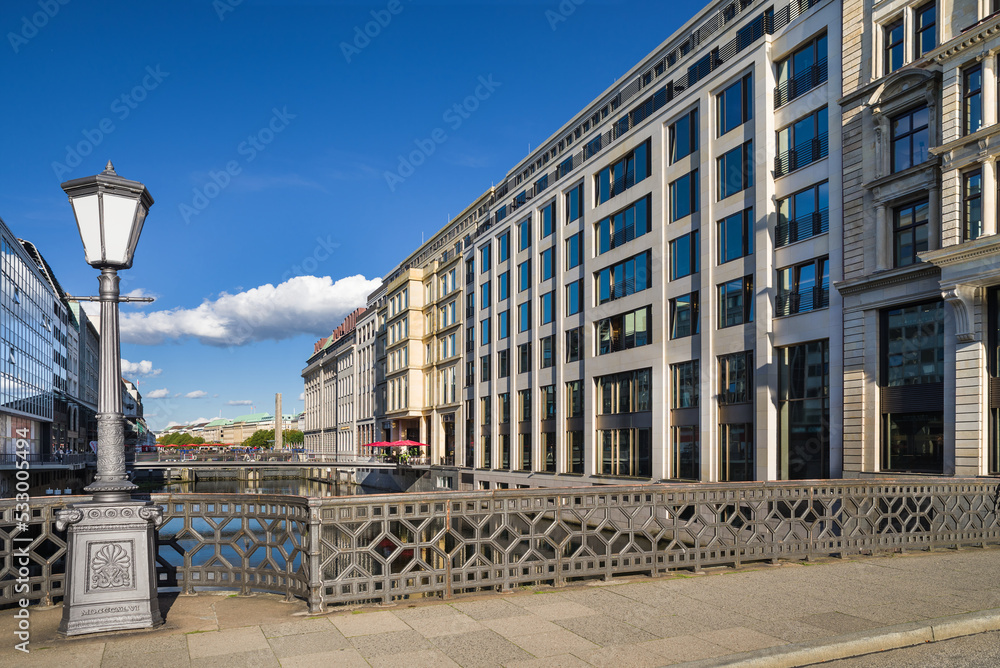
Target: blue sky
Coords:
[(266, 141)]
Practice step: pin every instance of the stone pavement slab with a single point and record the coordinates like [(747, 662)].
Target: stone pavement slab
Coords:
[(760, 610)]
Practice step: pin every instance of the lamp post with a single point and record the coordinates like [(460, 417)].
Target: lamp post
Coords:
[(111, 566)]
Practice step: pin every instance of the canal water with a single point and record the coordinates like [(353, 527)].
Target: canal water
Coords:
[(293, 486)]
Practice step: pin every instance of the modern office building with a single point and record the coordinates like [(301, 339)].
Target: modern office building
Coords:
[(921, 264), (368, 376)]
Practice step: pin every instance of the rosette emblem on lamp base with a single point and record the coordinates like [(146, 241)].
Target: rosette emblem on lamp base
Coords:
[(111, 568)]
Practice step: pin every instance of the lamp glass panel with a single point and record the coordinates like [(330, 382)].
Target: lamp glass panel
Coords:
[(119, 215), (88, 219), (140, 218)]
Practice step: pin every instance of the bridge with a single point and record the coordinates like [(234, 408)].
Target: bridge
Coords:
[(160, 460)]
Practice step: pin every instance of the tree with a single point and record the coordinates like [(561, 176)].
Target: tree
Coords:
[(294, 436), (262, 438)]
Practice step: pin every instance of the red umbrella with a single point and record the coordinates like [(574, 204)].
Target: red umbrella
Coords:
[(409, 444), (378, 444)]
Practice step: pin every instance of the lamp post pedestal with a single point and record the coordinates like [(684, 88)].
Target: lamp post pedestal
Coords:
[(111, 566)]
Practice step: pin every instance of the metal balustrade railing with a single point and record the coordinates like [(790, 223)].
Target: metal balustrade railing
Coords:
[(800, 84), (803, 154), (790, 302), (364, 549), (36, 460), (803, 227)]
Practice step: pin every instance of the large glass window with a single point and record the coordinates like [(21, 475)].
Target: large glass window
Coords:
[(685, 384), (524, 358), (629, 223), (524, 276), (574, 297), (549, 450), (686, 446), (736, 378), (736, 170), (503, 247), (684, 253), (802, 143), (972, 205), (804, 411), (524, 316), (803, 215), (525, 448), (684, 136), (548, 403), (503, 364), (484, 295), (926, 28), (548, 345), (624, 331), (484, 332), (503, 286), (803, 287), (574, 447), (802, 71), (736, 452), (524, 235), (524, 405), (548, 307), (736, 302), (626, 392), (909, 233), (503, 325), (484, 258), (574, 250), (574, 344), (625, 452), (625, 278), (892, 46), (574, 399), (972, 99), (548, 215), (910, 139), (684, 196), (735, 105), (684, 316), (623, 174), (548, 259), (574, 203), (736, 236)]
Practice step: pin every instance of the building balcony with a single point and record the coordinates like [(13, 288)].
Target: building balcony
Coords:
[(791, 302), (803, 154), (803, 227), (800, 84)]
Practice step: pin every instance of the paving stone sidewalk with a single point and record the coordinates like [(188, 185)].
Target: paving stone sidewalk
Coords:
[(637, 622)]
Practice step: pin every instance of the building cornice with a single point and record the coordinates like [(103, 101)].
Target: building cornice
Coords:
[(964, 252), (972, 35), (886, 278)]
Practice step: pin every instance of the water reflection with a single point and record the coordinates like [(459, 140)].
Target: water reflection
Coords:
[(291, 486)]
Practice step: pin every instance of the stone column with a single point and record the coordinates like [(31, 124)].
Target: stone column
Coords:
[(279, 441), (989, 201)]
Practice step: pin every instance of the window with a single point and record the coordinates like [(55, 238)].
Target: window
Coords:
[(548, 345), (802, 71), (910, 139), (524, 405), (972, 99), (687, 459), (503, 286), (574, 344), (502, 212), (736, 378), (684, 196), (625, 452), (912, 388), (804, 287), (470, 271), (622, 175), (925, 24), (972, 205), (684, 136), (626, 392), (574, 203), (524, 276), (909, 233), (524, 235), (736, 236), (735, 105), (736, 170), (548, 307), (620, 228), (549, 451), (525, 447), (484, 295), (470, 373), (736, 452), (684, 253), (548, 258), (470, 338), (484, 368), (804, 411), (484, 258), (574, 447), (524, 358), (503, 364), (574, 399), (484, 332), (574, 250), (736, 302), (548, 403), (802, 143), (625, 278), (892, 40), (503, 325), (504, 407), (803, 215), (624, 331), (505, 451), (548, 220), (684, 316), (685, 384), (503, 247), (574, 297), (524, 316)]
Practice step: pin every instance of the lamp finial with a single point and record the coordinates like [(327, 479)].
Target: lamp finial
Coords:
[(109, 168)]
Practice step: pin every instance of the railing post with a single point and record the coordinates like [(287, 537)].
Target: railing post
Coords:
[(314, 569)]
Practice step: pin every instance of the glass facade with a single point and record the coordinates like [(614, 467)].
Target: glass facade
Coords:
[(804, 411)]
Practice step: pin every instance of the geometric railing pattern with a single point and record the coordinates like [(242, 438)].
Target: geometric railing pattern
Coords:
[(372, 548)]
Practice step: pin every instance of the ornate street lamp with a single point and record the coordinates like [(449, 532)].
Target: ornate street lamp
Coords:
[(111, 569)]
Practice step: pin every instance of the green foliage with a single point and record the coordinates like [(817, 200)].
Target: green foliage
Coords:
[(180, 439), (262, 438), (295, 437)]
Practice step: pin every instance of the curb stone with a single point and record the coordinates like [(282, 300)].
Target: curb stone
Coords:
[(860, 643)]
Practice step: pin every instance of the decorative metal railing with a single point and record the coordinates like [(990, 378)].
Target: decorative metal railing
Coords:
[(804, 153), (790, 302), (378, 548), (803, 227), (800, 84), (34, 460)]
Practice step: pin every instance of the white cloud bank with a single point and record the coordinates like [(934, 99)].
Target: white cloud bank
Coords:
[(197, 394), (143, 368), (301, 305), (240, 402), (158, 394)]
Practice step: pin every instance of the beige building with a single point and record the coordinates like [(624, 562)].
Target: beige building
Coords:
[(921, 269)]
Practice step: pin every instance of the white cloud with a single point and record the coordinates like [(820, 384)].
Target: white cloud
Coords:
[(139, 292), (240, 402), (301, 305), (196, 394), (158, 394), (302, 396), (143, 368)]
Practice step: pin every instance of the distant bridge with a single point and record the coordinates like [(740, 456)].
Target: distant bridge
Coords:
[(160, 461)]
